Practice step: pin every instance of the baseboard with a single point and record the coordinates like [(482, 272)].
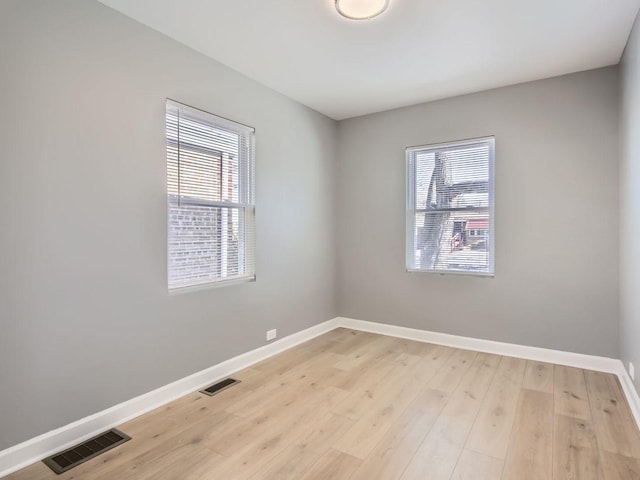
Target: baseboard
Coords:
[(35, 449), (578, 360), (630, 392), (589, 362)]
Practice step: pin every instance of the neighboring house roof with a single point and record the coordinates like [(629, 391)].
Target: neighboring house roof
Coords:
[(480, 224)]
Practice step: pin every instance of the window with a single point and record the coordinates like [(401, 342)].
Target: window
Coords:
[(210, 184), (450, 207)]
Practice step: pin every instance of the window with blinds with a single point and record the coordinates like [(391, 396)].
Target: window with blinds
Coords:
[(450, 190), (210, 185)]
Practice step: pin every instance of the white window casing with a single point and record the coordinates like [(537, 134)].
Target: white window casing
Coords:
[(450, 224), (210, 196)]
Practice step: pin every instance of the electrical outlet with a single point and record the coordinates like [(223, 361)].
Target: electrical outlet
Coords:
[(632, 371), (271, 334)]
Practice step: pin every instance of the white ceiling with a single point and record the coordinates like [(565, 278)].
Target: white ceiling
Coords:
[(418, 50)]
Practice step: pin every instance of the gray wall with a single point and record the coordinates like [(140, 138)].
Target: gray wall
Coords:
[(557, 226), (85, 318), (630, 203)]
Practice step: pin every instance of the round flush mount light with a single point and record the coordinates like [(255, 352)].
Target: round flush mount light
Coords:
[(361, 9)]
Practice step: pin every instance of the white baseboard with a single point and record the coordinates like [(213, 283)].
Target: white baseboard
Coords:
[(35, 449), (630, 392), (589, 362), (578, 360)]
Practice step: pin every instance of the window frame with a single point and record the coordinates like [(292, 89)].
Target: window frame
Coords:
[(246, 196), (411, 210)]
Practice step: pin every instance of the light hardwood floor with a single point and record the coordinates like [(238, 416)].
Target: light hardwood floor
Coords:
[(359, 406)]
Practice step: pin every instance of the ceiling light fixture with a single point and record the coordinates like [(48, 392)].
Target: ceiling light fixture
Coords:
[(361, 9)]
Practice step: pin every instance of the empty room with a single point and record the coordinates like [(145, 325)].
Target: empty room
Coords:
[(320, 239)]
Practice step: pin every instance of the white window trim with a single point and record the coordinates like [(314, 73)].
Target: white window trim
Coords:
[(411, 211), (249, 207)]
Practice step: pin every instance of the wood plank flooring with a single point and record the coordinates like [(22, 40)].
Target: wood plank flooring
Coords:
[(357, 406)]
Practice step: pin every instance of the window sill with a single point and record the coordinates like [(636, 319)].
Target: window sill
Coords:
[(454, 272), (211, 285)]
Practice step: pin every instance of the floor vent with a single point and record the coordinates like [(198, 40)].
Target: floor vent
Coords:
[(63, 461), (218, 387)]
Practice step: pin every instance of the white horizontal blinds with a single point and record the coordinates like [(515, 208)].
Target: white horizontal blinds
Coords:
[(210, 177), (449, 207)]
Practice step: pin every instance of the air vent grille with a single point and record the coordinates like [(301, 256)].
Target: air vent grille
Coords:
[(63, 461), (221, 385)]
